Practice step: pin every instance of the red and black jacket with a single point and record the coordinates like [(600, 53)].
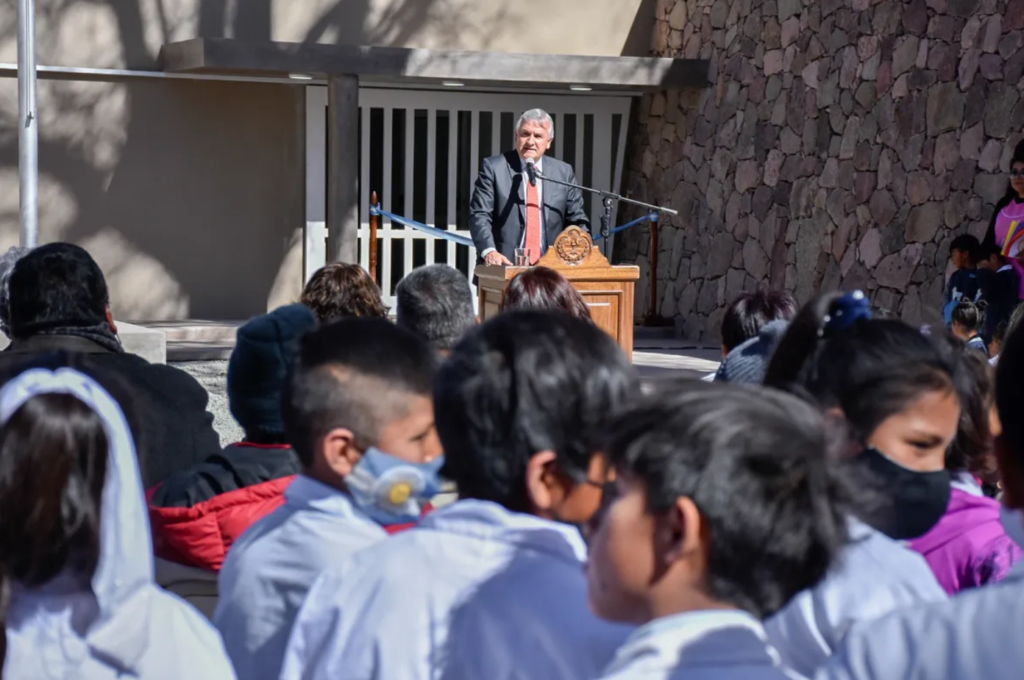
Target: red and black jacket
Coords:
[(198, 514)]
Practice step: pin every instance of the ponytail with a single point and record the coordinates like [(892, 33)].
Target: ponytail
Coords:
[(835, 355)]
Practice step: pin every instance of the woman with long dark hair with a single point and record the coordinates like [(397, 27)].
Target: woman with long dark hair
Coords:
[(1006, 230), (544, 288), (76, 564), (895, 392)]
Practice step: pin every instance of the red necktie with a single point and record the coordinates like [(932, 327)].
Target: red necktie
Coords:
[(533, 230)]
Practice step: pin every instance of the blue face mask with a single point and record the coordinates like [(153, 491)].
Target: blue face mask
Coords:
[(390, 490)]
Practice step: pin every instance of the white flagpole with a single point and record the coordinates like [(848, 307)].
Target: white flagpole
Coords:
[(28, 124)]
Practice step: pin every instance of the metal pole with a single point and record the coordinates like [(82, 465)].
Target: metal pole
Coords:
[(28, 125)]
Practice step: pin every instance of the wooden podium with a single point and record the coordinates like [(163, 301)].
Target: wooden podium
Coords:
[(607, 290)]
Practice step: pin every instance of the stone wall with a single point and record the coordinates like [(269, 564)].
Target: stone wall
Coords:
[(842, 145)]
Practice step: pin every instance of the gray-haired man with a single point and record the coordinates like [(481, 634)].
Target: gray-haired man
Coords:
[(436, 303), (509, 211)]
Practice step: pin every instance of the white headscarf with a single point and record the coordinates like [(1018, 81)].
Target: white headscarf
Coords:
[(125, 567)]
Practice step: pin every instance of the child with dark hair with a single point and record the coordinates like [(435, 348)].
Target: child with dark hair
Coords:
[(726, 505), (357, 411), (978, 633), (995, 345), (969, 548), (76, 567), (491, 586), (968, 319), (751, 327), (999, 290), (964, 284), (896, 392)]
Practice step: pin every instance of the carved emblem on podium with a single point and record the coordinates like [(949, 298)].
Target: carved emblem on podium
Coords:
[(573, 245)]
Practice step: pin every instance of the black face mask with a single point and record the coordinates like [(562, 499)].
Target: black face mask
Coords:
[(913, 503)]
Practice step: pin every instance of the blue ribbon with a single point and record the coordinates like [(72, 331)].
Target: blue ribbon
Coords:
[(653, 217), (426, 228), (465, 241)]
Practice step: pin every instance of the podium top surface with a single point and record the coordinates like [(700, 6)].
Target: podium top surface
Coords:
[(574, 256), (497, 272)]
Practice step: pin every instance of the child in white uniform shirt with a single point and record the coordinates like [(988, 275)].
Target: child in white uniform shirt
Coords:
[(76, 560), (976, 635), (357, 411), (897, 392), (492, 586), (727, 505)]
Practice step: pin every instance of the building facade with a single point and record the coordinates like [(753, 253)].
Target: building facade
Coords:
[(204, 193)]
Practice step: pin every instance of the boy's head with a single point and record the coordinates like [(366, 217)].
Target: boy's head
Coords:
[(360, 382), (750, 312), (517, 404), (725, 496), (964, 251), (263, 357), (989, 257)]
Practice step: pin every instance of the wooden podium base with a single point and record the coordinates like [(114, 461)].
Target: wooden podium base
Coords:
[(608, 290)]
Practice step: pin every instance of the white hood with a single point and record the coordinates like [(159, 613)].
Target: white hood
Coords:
[(125, 567)]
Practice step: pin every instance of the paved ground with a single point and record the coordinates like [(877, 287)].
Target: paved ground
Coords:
[(213, 376), (656, 359)]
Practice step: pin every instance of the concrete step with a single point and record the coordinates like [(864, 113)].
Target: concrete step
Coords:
[(196, 330)]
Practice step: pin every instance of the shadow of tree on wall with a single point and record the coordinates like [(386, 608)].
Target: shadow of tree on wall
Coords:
[(167, 191)]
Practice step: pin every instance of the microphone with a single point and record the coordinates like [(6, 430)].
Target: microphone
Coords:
[(531, 171)]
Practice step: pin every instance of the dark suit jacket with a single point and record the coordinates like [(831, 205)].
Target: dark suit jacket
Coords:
[(165, 406), (497, 211)]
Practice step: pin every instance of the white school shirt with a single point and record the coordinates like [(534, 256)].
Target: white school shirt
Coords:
[(702, 645), (977, 635), (875, 575), (119, 624), (270, 568), (473, 592), (540, 200)]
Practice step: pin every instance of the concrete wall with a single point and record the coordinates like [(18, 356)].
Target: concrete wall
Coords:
[(129, 33), (844, 144), (191, 194)]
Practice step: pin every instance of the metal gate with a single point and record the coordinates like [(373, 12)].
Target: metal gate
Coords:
[(421, 150)]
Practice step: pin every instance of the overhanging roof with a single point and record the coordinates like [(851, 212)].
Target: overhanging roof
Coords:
[(431, 67)]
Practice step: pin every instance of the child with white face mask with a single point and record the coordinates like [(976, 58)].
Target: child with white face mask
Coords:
[(895, 391), (978, 633), (358, 413)]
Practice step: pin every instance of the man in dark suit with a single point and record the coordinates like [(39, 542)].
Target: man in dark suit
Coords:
[(507, 211)]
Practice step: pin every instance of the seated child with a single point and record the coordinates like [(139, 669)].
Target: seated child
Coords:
[(968, 319), (725, 507), (965, 283)]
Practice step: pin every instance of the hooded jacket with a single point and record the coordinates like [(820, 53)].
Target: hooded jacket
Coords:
[(121, 623), (968, 548)]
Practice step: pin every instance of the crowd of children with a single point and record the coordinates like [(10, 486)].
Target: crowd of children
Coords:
[(856, 508)]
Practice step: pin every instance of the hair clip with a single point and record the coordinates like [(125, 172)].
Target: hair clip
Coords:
[(846, 311)]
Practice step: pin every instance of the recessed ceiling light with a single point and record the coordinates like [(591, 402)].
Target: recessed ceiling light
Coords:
[(453, 83), (300, 76), (580, 88)]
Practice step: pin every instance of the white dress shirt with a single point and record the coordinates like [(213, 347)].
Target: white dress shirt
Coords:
[(271, 567), (540, 200), (118, 624), (474, 591), (703, 645), (875, 576), (977, 635)]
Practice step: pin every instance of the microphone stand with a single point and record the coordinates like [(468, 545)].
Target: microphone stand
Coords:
[(609, 199)]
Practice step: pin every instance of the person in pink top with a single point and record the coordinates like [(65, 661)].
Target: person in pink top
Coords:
[(969, 547), (1006, 231)]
